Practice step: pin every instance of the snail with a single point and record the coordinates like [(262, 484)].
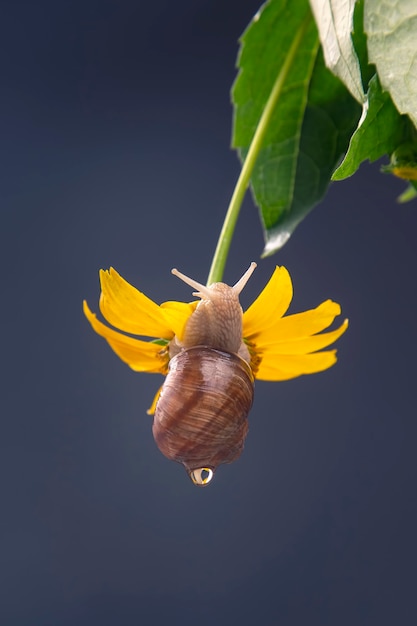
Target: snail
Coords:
[(200, 418)]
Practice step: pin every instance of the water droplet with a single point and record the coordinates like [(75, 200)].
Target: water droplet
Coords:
[(201, 476)]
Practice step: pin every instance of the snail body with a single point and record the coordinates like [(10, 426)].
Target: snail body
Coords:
[(200, 418)]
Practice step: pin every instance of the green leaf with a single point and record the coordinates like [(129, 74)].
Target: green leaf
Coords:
[(311, 124), (361, 45), (403, 164), (391, 26), (408, 194), (380, 131), (334, 19), (404, 160)]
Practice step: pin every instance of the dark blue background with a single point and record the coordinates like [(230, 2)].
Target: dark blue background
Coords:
[(115, 130)]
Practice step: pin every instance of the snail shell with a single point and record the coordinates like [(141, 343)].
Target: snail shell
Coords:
[(200, 418)]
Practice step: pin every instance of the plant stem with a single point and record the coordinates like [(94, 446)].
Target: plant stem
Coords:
[(229, 224)]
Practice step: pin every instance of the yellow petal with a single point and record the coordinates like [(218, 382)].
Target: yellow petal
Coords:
[(271, 304), (302, 345), (298, 325), (177, 314), (141, 356), (284, 367), (126, 308), (152, 408)]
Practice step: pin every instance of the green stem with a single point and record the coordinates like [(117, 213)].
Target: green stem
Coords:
[(229, 224)]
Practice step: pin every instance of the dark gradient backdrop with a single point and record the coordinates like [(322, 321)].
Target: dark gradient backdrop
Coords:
[(115, 128)]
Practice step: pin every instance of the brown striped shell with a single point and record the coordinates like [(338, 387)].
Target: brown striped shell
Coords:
[(201, 416)]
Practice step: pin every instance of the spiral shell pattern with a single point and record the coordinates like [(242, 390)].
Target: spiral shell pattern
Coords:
[(201, 416)]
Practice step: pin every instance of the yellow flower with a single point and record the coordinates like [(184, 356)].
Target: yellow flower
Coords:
[(280, 347)]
